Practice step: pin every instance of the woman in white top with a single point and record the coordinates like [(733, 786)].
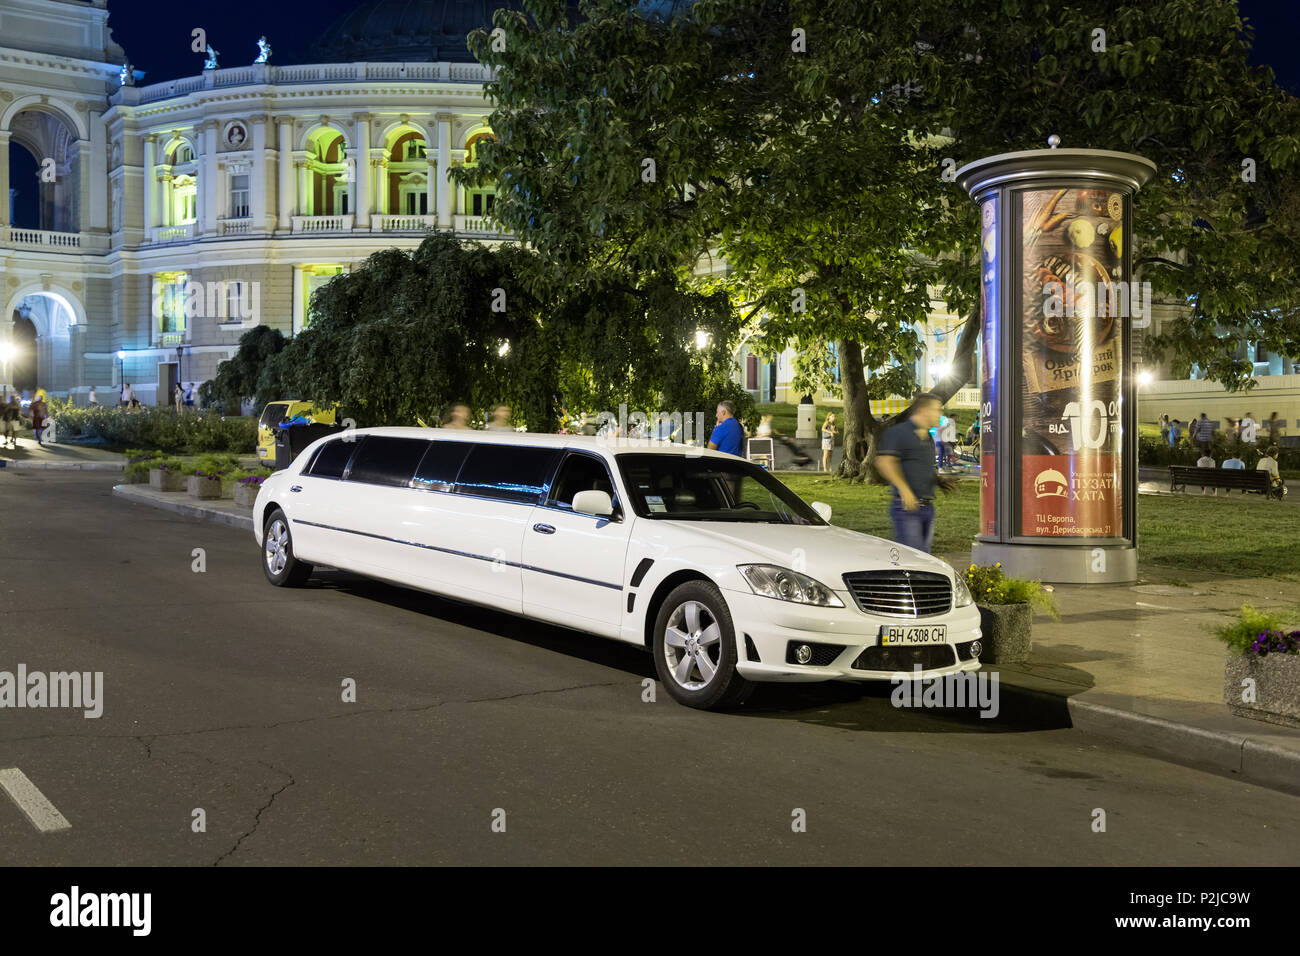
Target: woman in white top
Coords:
[(828, 441)]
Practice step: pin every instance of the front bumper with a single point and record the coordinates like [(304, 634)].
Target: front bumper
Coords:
[(766, 626)]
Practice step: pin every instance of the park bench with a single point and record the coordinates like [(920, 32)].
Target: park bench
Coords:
[(1233, 479)]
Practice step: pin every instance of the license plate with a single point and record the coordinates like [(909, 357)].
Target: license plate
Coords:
[(913, 634)]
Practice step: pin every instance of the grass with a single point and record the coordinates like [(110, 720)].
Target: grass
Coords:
[(1240, 537)]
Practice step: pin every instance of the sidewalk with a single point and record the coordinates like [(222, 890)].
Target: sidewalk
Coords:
[(1136, 664), (63, 457)]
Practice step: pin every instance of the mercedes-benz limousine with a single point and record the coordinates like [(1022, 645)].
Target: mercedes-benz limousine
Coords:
[(704, 559)]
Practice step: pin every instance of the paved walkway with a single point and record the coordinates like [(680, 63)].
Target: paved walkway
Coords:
[(1134, 663), (30, 454)]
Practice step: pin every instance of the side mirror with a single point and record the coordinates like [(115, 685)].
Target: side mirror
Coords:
[(823, 510), (597, 503)]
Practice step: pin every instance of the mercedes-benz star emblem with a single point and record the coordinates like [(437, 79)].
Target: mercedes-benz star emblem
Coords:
[(894, 555)]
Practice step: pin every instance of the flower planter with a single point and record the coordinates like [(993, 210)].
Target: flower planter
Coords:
[(204, 486), (1005, 631), (245, 495), (1277, 687), (163, 480), (137, 477)]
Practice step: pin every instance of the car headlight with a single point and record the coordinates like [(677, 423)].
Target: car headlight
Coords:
[(961, 594), (767, 580)]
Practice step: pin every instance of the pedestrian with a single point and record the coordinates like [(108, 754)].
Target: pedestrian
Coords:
[(38, 410), (500, 420), (9, 417), (1233, 431), (1164, 429), (1175, 432), (1205, 461), (189, 395), (458, 417), (948, 435), (906, 459), (1268, 463), (767, 430), (127, 395), (178, 396), (1249, 429), (1203, 433), (828, 440), (727, 436), (1274, 429), (91, 397)]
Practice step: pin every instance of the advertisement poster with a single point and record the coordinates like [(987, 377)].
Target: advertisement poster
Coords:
[(988, 366), (1070, 443)]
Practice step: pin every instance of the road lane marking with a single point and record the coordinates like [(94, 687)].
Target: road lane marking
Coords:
[(44, 815)]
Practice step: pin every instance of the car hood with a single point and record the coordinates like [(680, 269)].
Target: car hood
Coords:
[(827, 551)]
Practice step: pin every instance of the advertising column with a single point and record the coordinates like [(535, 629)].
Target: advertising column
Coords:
[(1058, 469)]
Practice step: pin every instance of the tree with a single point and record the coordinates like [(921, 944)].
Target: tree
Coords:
[(251, 374), (804, 142), (405, 335)]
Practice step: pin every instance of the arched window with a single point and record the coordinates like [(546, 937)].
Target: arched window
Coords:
[(479, 200)]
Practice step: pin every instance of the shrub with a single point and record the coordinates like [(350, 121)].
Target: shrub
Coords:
[(165, 428), (990, 585), (1258, 632)]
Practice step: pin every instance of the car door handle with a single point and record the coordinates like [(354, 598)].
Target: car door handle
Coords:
[(544, 528), (295, 487)]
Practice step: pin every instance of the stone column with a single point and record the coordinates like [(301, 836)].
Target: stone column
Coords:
[(431, 184), (257, 175), (285, 195), (208, 180), (150, 192), (98, 171), (305, 204), (361, 198), (444, 164), (4, 179)]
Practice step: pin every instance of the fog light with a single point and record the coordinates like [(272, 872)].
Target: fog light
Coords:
[(975, 648), (803, 653)]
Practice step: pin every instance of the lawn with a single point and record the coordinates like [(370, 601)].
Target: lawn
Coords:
[(1244, 537)]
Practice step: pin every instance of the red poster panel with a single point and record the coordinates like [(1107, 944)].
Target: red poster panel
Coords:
[(1070, 496)]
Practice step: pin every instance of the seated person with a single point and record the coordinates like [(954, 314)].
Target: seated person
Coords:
[(1234, 463), (1205, 461)]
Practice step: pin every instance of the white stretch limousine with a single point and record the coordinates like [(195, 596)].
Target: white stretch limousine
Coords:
[(721, 572)]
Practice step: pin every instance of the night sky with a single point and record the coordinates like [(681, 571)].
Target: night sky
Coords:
[(158, 40)]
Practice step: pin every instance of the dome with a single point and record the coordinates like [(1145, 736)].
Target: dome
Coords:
[(423, 31)]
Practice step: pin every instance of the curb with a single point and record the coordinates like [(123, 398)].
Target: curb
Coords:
[(61, 465), (190, 510), (1258, 761)]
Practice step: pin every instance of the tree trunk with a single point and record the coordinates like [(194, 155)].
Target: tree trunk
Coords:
[(859, 427)]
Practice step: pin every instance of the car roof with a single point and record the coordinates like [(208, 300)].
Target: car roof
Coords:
[(613, 446)]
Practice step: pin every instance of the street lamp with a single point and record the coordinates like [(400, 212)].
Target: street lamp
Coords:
[(1145, 378), (121, 370)]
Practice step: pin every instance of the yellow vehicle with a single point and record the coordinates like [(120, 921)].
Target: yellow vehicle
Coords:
[(276, 412)]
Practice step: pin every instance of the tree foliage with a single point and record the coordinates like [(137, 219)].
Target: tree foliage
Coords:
[(637, 143), (251, 374)]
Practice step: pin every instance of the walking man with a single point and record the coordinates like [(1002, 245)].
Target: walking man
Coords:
[(906, 459)]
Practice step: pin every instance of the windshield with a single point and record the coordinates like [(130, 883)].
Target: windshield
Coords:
[(273, 413), (705, 488)]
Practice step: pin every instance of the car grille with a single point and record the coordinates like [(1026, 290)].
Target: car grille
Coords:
[(901, 593), (904, 658)]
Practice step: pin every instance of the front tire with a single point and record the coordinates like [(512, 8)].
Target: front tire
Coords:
[(694, 648), (280, 566)]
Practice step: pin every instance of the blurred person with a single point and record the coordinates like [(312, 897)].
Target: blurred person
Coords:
[(178, 396), (500, 420), (767, 430), (1268, 463), (1202, 433), (38, 410), (10, 415), (948, 438), (189, 395), (1274, 428), (906, 459), (92, 397), (1205, 461), (1164, 429), (458, 417)]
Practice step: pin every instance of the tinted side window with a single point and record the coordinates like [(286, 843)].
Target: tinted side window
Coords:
[(332, 458), (579, 473), (441, 465), (387, 461), (508, 472)]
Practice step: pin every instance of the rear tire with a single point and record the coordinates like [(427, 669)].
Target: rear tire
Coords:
[(278, 563), (694, 647)]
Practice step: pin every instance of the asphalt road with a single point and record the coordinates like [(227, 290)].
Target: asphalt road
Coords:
[(222, 693)]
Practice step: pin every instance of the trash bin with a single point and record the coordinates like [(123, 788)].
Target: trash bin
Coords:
[(290, 440)]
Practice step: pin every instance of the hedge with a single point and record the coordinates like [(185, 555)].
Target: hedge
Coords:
[(162, 427), (1154, 452)]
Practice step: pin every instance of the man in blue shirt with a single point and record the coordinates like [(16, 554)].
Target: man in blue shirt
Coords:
[(906, 459), (727, 436)]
